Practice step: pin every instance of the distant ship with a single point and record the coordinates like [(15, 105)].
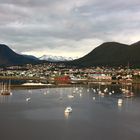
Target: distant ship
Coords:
[(5, 89)]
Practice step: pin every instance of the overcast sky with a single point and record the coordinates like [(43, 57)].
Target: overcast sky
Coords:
[(67, 27)]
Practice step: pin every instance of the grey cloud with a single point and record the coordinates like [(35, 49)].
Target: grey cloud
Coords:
[(27, 24)]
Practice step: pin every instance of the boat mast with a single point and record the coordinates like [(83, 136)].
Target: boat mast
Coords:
[(9, 86)]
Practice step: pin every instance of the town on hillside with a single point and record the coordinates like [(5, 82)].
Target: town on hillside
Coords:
[(61, 74)]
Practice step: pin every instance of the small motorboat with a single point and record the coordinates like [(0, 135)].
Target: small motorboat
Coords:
[(68, 109), (70, 96), (28, 99)]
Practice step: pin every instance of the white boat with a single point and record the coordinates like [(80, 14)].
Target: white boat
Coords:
[(99, 92), (123, 90), (68, 109), (28, 99), (70, 96), (113, 91), (106, 90)]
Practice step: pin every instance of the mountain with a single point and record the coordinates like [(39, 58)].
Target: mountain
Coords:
[(9, 57), (30, 56), (107, 54), (111, 54), (52, 58)]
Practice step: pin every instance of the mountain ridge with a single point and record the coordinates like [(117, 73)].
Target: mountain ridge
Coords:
[(111, 54), (107, 54), (8, 57)]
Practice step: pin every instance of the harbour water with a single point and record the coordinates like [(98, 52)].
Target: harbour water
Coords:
[(93, 117)]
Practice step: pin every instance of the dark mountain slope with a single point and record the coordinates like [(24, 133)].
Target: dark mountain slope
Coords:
[(9, 57), (111, 54)]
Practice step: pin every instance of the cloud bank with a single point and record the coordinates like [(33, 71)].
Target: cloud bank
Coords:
[(67, 28)]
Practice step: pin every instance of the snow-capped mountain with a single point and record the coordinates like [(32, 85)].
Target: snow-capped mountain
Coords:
[(55, 58)]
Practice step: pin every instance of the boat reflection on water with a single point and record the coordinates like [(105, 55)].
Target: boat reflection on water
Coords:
[(120, 102), (67, 112), (5, 88), (66, 115), (120, 105), (4, 99)]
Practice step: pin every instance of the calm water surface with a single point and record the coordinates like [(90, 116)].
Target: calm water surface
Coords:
[(93, 117)]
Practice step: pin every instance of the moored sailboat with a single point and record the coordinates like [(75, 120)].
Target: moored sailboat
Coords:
[(5, 88)]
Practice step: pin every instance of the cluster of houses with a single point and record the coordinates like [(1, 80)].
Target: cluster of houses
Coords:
[(60, 72)]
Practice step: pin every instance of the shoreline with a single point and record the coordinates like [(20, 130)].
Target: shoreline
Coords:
[(66, 85), (72, 83)]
